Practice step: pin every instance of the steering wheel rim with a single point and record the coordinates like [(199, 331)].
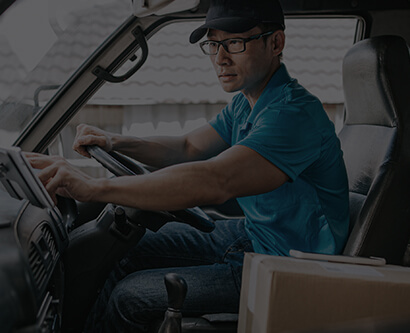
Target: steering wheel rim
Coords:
[(118, 164), (121, 165)]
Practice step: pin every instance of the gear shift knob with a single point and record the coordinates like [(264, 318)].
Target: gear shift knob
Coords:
[(176, 289)]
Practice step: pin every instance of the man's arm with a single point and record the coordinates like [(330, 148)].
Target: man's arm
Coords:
[(160, 152), (238, 171)]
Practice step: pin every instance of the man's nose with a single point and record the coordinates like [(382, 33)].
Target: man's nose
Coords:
[(222, 57)]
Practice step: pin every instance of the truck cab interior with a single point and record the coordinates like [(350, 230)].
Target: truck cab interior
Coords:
[(54, 260)]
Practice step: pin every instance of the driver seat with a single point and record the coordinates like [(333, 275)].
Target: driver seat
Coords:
[(375, 141), (376, 144)]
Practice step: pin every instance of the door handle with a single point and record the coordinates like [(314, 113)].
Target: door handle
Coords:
[(103, 74)]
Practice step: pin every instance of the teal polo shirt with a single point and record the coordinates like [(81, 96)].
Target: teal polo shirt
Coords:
[(289, 127)]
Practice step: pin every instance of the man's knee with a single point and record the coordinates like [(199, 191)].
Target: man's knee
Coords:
[(138, 298)]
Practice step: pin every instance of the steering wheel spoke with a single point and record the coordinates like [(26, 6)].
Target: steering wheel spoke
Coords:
[(121, 165)]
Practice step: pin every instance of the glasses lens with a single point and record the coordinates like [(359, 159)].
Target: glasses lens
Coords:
[(235, 45), (209, 47), (230, 45)]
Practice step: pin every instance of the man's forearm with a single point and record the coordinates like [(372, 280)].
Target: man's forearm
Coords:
[(200, 144), (173, 188), (237, 172)]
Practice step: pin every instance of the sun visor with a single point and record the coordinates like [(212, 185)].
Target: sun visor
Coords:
[(143, 8)]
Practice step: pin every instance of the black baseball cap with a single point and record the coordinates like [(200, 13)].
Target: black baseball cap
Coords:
[(237, 16)]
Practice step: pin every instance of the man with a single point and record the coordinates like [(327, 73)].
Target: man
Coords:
[(272, 147)]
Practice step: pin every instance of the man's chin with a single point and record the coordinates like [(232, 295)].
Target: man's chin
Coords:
[(229, 89)]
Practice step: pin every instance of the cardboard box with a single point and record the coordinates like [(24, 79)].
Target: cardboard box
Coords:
[(282, 294)]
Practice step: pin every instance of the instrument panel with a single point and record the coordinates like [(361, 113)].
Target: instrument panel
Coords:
[(31, 278)]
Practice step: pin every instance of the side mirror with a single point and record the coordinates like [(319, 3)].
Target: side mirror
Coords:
[(143, 8)]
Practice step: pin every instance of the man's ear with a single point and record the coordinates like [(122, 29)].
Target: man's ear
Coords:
[(279, 42)]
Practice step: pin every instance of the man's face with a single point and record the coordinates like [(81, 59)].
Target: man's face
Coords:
[(249, 71)]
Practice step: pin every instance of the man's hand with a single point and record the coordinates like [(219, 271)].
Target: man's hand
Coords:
[(60, 177), (89, 135)]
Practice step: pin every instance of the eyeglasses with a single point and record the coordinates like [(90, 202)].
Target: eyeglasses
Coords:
[(231, 45)]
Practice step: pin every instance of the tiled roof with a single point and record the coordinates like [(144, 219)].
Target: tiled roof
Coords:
[(315, 57), (176, 71), (88, 29), (11, 69)]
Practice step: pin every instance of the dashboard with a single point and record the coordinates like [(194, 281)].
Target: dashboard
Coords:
[(31, 276)]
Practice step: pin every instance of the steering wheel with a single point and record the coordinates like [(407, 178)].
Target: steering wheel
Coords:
[(121, 165)]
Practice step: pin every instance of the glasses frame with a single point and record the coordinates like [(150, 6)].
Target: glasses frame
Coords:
[(225, 46)]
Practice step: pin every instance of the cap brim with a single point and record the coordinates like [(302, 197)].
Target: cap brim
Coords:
[(231, 24)]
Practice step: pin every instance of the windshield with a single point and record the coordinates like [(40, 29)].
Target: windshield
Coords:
[(42, 42)]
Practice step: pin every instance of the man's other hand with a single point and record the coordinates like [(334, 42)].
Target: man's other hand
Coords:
[(89, 135), (60, 177)]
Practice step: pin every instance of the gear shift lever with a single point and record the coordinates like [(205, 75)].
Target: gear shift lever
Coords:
[(176, 289)]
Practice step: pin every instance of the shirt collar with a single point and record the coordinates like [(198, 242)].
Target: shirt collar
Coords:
[(272, 91)]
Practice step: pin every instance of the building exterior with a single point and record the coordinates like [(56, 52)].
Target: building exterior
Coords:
[(176, 90)]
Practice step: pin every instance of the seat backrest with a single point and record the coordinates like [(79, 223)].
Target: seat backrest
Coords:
[(375, 141)]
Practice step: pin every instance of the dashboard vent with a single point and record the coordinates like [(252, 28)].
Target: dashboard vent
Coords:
[(49, 238), (42, 254), (38, 268)]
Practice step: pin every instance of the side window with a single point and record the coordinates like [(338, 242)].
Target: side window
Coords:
[(314, 54), (177, 89)]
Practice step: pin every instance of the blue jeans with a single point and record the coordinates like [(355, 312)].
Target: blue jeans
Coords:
[(134, 296)]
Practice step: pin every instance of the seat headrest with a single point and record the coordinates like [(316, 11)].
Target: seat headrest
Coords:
[(376, 81)]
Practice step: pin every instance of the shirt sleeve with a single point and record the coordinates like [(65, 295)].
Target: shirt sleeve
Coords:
[(287, 138), (223, 123)]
